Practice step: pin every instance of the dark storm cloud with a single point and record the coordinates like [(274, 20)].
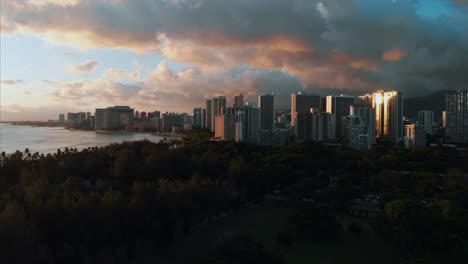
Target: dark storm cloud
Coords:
[(333, 45)]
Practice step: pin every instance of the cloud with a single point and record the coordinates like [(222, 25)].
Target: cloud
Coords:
[(11, 82), (334, 44), (100, 91), (44, 3), (27, 92), (83, 68), (323, 10), (168, 90), (394, 55), (119, 74), (16, 112), (460, 2)]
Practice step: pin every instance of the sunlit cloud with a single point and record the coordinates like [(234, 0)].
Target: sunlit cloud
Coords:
[(394, 55), (11, 82), (235, 46), (83, 68)]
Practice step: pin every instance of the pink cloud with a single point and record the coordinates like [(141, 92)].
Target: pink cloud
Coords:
[(394, 55)]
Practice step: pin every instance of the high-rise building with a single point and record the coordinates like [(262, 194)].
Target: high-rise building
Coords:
[(456, 107), (388, 108), (137, 114), (360, 128), (143, 115), (415, 135), (248, 122), (226, 126), (355, 128), (323, 126), (81, 116), (444, 119), (157, 114), (62, 118), (364, 101), (240, 133), (199, 115), (301, 117), (426, 119), (303, 125), (340, 106), (112, 118), (267, 112), (302, 103), (367, 118), (244, 122), (171, 122), (218, 103), (238, 100), (249, 118), (88, 115), (209, 105)]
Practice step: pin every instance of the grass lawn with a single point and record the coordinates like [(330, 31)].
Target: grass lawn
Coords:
[(263, 223)]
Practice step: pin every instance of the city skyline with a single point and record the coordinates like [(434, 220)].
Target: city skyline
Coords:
[(60, 56)]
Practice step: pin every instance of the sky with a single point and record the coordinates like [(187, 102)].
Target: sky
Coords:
[(60, 56)]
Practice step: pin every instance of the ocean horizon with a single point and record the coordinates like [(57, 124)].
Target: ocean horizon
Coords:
[(50, 139)]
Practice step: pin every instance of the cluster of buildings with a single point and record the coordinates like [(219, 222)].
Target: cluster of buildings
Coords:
[(117, 118), (454, 125), (80, 120), (357, 122)]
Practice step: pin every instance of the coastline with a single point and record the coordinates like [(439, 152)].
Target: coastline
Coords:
[(49, 139)]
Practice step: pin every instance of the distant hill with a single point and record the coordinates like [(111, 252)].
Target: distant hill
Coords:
[(434, 102)]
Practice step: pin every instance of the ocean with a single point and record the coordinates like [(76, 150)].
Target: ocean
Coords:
[(49, 139)]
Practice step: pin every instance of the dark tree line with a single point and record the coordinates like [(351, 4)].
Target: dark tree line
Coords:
[(121, 201)]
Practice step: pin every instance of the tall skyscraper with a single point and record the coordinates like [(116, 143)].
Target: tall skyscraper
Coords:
[(209, 105), (62, 118), (367, 116), (426, 119), (248, 120), (82, 115), (238, 123), (444, 119), (199, 115), (116, 117), (340, 106), (238, 100), (415, 135), (157, 114), (388, 114), (303, 125), (356, 133), (137, 114), (226, 126), (240, 133), (360, 128), (323, 126), (456, 107), (169, 121), (301, 104), (364, 101), (218, 103), (267, 112)]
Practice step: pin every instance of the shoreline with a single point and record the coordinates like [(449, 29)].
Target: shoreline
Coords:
[(49, 140), (109, 132)]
